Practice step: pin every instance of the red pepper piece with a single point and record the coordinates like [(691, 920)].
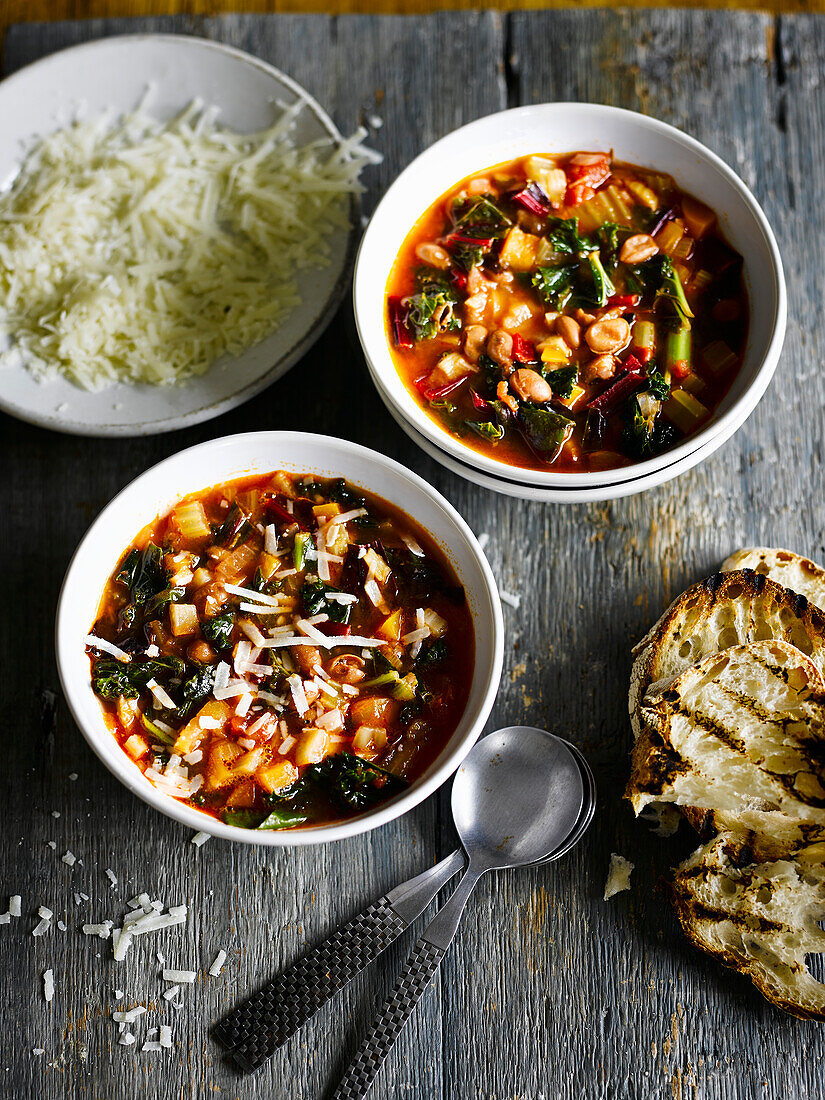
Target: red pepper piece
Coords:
[(632, 365), (398, 320), (334, 630), (533, 199), (523, 350), (433, 394), (621, 389), (644, 355), (680, 368), (462, 239), (480, 403), (584, 179), (458, 279), (626, 301)]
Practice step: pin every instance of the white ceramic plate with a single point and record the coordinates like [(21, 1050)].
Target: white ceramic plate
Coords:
[(562, 127), (235, 456), (113, 74)]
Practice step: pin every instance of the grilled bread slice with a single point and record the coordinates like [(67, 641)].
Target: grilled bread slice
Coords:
[(783, 566), (738, 739), (725, 610), (760, 918)]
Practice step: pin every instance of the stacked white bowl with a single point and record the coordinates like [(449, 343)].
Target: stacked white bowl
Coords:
[(561, 128)]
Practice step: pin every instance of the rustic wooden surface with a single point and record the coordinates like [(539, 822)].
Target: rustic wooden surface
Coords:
[(13, 11), (549, 991)]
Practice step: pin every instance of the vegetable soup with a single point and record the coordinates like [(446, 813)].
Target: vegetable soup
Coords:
[(282, 650), (570, 312)]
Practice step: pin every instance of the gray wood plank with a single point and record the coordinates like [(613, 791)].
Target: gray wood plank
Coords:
[(549, 992)]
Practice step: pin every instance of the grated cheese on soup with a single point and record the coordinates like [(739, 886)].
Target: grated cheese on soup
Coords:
[(140, 251)]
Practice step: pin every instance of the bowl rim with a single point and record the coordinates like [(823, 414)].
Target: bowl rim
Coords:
[(595, 494), (208, 408), (379, 360), (101, 741)]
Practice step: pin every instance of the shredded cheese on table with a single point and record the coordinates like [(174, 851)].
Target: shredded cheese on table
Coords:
[(134, 250)]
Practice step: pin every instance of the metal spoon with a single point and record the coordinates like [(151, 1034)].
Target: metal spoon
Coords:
[(264, 1022), (518, 798)]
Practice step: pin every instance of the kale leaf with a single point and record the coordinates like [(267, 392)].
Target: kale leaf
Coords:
[(431, 311), (545, 430), (555, 284), (352, 781), (486, 429), (432, 654), (562, 380), (315, 595), (143, 573), (218, 630), (563, 234)]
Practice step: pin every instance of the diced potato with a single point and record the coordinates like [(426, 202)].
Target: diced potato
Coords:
[(191, 735), (519, 250), (698, 217), (326, 511), (127, 711), (643, 194), (368, 740), (277, 776), (135, 746), (375, 711), (554, 350), (312, 747), (236, 563), (282, 483), (683, 410), (669, 236), (183, 618), (391, 626), (242, 796), (249, 763), (190, 519), (201, 577), (217, 773)]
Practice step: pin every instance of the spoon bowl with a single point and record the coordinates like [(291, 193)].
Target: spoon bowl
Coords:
[(517, 798)]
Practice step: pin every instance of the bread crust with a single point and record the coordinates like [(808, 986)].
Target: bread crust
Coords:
[(783, 566), (758, 609)]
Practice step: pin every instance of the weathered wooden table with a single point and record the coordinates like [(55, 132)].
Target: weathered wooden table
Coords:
[(549, 991)]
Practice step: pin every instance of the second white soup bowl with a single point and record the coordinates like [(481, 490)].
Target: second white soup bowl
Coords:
[(561, 128)]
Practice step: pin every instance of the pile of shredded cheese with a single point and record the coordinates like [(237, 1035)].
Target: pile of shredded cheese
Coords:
[(140, 251)]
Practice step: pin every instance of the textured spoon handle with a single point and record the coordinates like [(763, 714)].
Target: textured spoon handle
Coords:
[(417, 974), (267, 1019), (412, 981)]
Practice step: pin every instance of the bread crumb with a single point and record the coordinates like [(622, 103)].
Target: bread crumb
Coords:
[(618, 876)]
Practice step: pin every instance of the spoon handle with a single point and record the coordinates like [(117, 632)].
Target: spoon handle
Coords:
[(409, 987), (266, 1020)]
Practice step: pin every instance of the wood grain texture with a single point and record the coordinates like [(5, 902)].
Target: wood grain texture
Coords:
[(548, 992)]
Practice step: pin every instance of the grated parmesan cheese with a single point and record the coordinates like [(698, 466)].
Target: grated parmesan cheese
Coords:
[(140, 251), (217, 965), (48, 984)]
